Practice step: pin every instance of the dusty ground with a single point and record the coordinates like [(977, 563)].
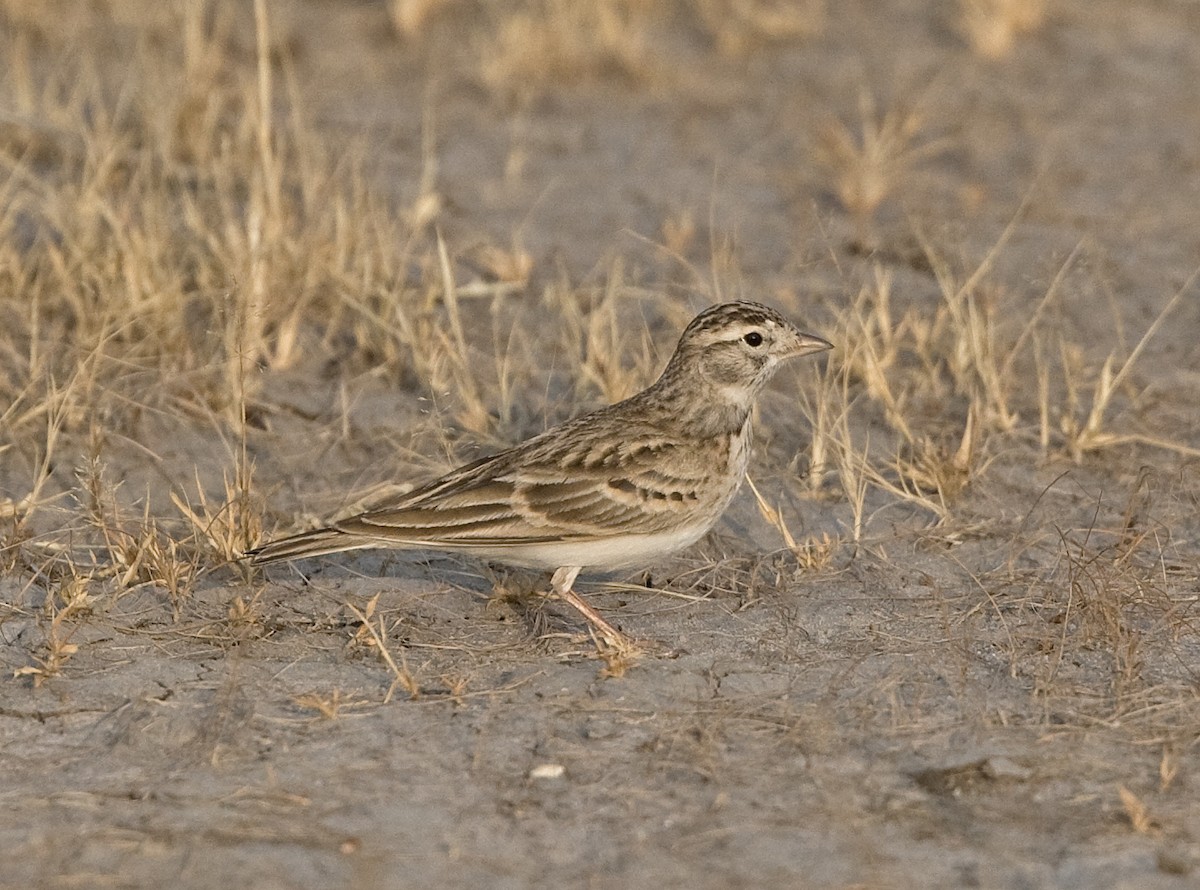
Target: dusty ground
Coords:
[(981, 673)]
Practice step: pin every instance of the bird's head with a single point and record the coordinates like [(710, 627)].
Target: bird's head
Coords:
[(736, 348)]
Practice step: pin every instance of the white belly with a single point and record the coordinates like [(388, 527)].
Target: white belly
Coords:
[(616, 552)]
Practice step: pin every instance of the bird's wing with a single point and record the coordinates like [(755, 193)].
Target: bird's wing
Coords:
[(548, 490)]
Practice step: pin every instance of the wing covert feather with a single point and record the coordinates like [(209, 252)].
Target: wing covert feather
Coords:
[(553, 490)]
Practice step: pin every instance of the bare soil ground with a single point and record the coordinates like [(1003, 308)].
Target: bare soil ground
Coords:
[(954, 642)]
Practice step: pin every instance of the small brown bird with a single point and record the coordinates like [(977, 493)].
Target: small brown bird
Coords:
[(619, 487)]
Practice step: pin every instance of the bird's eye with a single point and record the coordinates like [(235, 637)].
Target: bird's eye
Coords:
[(754, 338)]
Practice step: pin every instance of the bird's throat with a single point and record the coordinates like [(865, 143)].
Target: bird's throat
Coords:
[(714, 417)]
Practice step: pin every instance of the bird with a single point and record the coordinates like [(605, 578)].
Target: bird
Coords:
[(616, 488)]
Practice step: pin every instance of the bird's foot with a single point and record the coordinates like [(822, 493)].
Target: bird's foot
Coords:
[(615, 648)]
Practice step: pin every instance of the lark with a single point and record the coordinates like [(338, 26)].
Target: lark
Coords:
[(619, 487)]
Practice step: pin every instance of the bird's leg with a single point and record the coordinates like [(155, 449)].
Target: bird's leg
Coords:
[(560, 586)]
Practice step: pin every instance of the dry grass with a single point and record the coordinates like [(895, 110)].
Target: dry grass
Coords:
[(560, 41), (871, 159), (738, 27), (992, 27), (535, 46), (72, 600), (373, 634)]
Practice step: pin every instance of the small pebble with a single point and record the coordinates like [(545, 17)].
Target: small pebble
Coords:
[(548, 771), (1003, 768)]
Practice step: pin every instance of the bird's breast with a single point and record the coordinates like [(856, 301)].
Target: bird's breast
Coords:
[(732, 467), (739, 450)]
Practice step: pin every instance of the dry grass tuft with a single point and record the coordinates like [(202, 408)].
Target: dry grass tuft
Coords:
[(223, 532), (411, 17), (1136, 811), (1090, 434), (72, 599), (330, 706), (991, 27), (948, 382), (870, 159), (373, 634), (536, 45), (738, 27), (563, 42)]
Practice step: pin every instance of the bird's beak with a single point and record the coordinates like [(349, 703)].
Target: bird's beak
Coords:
[(806, 344)]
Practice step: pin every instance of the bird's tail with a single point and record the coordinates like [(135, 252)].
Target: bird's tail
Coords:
[(315, 543)]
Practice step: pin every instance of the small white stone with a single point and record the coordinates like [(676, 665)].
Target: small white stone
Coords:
[(1004, 768), (548, 771)]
